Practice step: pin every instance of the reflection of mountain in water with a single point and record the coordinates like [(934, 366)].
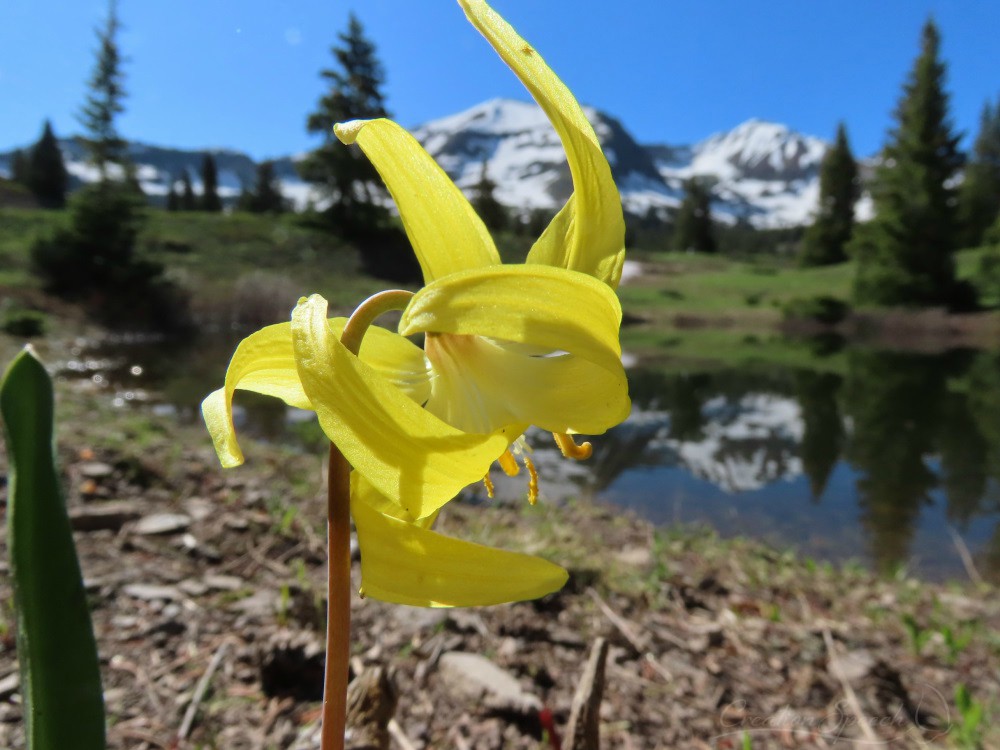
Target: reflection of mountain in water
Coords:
[(749, 442), (745, 442)]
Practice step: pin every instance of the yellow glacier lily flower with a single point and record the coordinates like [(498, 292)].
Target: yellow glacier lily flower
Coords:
[(506, 346)]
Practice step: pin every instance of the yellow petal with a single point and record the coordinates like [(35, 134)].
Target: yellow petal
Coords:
[(264, 362), (363, 491), (446, 233), (588, 235), (549, 308), (406, 564), (404, 451), (483, 384)]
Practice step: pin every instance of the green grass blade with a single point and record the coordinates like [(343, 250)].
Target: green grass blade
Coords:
[(60, 675)]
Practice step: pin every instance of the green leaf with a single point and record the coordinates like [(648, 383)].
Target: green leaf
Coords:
[(60, 675)]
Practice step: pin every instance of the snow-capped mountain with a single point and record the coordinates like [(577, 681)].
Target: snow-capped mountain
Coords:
[(761, 172)]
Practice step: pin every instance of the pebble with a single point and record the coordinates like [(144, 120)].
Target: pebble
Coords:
[(95, 470), (152, 592), (475, 677), (162, 523)]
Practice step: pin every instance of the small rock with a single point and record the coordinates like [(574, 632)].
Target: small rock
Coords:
[(95, 470), (162, 523), (191, 587), (261, 603), (151, 592), (475, 677), (104, 516), (637, 557), (224, 583), (9, 684), (199, 508)]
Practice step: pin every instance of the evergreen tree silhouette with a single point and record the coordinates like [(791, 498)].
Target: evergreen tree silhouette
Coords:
[(905, 254), (979, 195), (693, 225), (104, 101), (826, 239), (343, 175), (47, 176), (210, 200), (189, 201), (484, 201), (265, 197)]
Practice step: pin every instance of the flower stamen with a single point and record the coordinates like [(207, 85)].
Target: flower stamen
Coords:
[(532, 480), (509, 464), (488, 483), (570, 449)]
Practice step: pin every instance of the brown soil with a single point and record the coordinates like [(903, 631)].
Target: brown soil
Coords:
[(714, 644)]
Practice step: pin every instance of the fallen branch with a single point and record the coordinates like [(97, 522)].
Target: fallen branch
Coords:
[(584, 730), (200, 690), (852, 698), (636, 641)]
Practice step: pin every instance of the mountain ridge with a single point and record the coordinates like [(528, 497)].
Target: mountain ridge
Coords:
[(761, 172)]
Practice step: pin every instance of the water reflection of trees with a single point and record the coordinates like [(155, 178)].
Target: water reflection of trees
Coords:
[(823, 426), (908, 424)]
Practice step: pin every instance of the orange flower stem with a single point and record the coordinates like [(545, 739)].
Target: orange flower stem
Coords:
[(338, 526), (338, 607)]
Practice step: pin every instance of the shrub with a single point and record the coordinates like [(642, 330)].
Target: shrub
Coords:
[(825, 310)]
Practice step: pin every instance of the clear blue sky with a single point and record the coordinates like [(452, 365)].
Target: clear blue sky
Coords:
[(222, 73)]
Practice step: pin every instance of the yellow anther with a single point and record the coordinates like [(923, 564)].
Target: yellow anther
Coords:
[(570, 449), (489, 486), (532, 480), (508, 464)]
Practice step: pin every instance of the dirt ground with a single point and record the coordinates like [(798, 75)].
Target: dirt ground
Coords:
[(713, 643)]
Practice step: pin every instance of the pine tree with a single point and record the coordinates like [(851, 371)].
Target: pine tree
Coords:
[(188, 200), (47, 176), (979, 195), (905, 253), (104, 102), (490, 210), (693, 225), (93, 259), (344, 176), (210, 200), (173, 197), (825, 241), (265, 197)]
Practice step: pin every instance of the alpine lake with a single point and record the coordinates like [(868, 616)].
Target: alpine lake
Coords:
[(847, 455)]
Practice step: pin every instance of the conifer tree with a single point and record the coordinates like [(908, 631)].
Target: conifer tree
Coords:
[(104, 102), (826, 240), (210, 200), (188, 200), (979, 195), (265, 197), (344, 176), (173, 197), (693, 225), (47, 176), (93, 259), (490, 210), (905, 253)]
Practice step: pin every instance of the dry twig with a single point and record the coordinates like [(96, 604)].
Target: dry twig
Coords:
[(852, 698), (584, 731), (200, 690)]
